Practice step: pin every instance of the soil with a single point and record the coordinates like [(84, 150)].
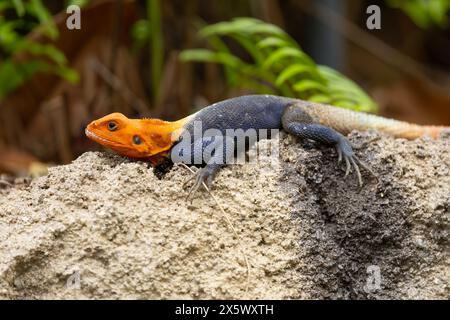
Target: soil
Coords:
[(105, 227)]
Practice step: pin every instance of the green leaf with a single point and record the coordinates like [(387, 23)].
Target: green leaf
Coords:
[(279, 65), (13, 75), (272, 42), (68, 74), (286, 52), (294, 70), (221, 28), (319, 98), (9, 78), (20, 9), (250, 46), (218, 45), (340, 87), (36, 8), (424, 13), (346, 104), (259, 87), (305, 85), (9, 36), (5, 5), (203, 55), (241, 25), (46, 50), (253, 26), (141, 32), (80, 3), (41, 57)]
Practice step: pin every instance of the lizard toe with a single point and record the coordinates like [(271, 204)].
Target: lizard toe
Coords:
[(345, 151), (347, 164), (358, 173), (339, 152), (189, 179), (365, 166), (202, 177)]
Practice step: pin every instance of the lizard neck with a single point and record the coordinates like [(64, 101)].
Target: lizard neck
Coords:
[(163, 133)]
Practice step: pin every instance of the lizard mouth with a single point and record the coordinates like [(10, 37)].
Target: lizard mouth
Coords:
[(95, 137), (120, 148), (115, 145)]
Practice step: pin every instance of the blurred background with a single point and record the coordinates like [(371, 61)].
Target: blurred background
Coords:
[(168, 58)]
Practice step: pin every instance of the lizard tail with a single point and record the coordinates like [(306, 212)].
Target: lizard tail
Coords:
[(345, 121), (400, 129)]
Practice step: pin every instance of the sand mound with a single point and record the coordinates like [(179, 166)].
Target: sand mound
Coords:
[(106, 227)]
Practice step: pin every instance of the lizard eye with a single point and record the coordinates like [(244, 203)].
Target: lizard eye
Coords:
[(137, 140), (112, 126)]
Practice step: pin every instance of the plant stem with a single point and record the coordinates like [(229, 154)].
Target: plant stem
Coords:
[(156, 45)]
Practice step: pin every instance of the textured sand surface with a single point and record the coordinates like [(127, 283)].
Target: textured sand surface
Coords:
[(106, 227)]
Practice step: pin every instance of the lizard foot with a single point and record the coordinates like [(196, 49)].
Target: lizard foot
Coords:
[(345, 151), (202, 176), (4, 183)]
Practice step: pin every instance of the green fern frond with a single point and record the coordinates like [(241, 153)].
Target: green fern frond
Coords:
[(278, 65)]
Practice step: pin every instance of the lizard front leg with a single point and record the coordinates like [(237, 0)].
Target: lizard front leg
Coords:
[(298, 122), (213, 153), (203, 175)]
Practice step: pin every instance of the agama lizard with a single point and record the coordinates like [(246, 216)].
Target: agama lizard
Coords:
[(157, 140)]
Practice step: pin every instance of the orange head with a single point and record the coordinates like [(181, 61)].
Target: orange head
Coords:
[(133, 138)]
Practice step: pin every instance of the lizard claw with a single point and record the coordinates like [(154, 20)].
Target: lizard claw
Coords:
[(339, 152), (347, 163), (365, 166), (358, 173), (193, 189), (345, 151)]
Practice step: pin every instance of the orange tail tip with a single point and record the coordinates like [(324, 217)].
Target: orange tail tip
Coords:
[(435, 131)]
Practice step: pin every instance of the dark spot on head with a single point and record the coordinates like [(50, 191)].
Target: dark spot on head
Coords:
[(137, 140), (157, 140)]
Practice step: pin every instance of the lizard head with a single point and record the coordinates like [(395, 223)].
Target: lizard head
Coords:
[(133, 138)]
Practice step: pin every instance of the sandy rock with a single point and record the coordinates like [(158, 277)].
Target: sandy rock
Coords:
[(106, 227)]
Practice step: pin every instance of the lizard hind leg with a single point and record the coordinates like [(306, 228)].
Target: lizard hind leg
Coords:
[(329, 136)]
